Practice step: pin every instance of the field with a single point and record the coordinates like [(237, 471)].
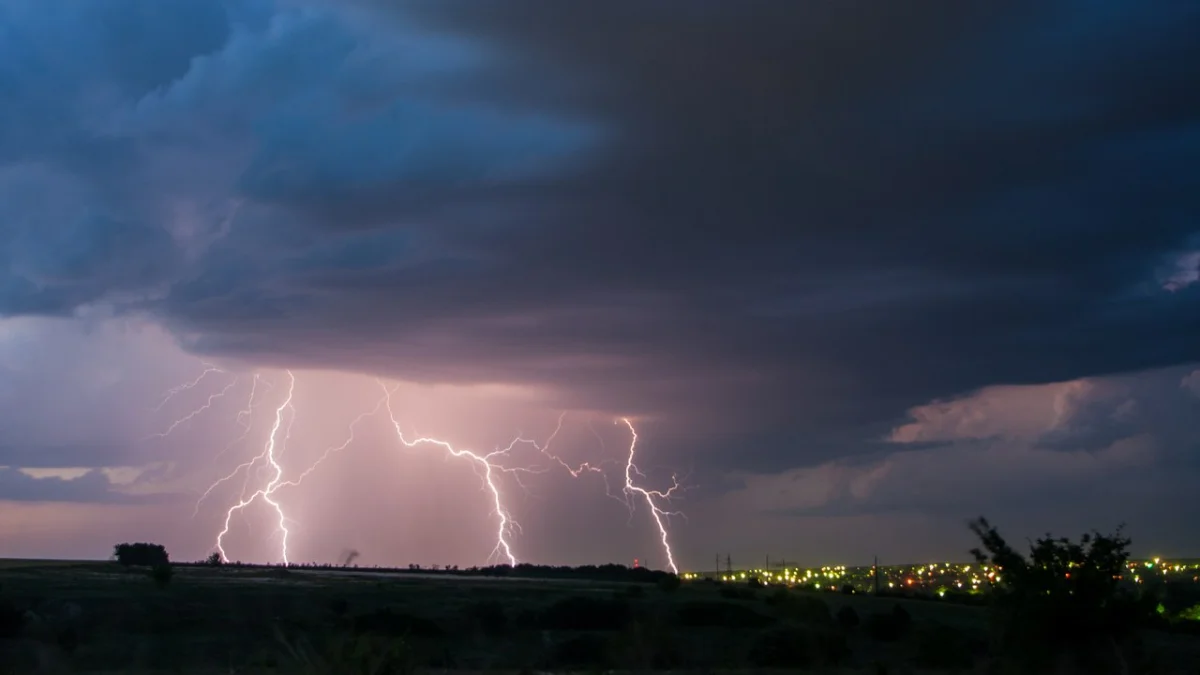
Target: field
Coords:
[(103, 618)]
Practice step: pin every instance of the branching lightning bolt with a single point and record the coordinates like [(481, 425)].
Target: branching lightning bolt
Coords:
[(484, 465), (245, 419), (585, 467), (349, 439), (649, 496), (266, 465), (188, 417), (209, 369), (266, 493)]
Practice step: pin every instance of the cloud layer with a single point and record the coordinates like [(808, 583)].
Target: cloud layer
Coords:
[(773, 231)]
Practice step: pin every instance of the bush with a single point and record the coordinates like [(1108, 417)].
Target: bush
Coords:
[(162, 573), (214, 559), (669, 583), (141, 554), (1064, 599)]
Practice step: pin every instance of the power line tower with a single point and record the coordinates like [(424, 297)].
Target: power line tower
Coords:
[(728, 564)]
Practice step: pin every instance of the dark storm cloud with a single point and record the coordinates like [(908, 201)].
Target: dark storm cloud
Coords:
[(803, 218)]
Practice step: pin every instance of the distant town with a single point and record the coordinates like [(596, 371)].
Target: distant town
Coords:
[(931, 578)]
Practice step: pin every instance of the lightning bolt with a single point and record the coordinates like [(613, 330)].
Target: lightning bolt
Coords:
[(484, 466), (266, 493), (658, 514), (209, 369), (188, 417), (244, 418), (586, 467), (266, 465), (349, 439)]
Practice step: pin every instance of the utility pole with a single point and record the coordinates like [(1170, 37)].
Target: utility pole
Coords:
[(767, 565), (876, 575), (728, 564)]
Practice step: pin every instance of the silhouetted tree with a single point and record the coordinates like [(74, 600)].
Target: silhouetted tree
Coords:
[(1063, 601), (214, 559), (669, 583), (141, 554)]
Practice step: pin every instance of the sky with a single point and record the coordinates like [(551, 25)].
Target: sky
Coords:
[(855, 273)]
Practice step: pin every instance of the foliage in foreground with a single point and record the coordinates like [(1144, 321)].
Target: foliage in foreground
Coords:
[(1064, 602)]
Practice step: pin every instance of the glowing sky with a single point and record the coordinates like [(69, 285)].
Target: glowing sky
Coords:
[(857, 271)]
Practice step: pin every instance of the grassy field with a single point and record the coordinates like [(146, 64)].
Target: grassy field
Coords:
[(102, 618)]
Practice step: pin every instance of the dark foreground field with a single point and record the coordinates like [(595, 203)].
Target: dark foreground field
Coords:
[(102, 618)]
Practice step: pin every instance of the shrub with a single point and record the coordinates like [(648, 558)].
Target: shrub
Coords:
[(162, 573), (1064, 599), (141, 554), (214, 559), (669, 583)]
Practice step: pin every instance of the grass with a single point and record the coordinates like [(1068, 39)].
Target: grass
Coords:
[(229, 620)]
